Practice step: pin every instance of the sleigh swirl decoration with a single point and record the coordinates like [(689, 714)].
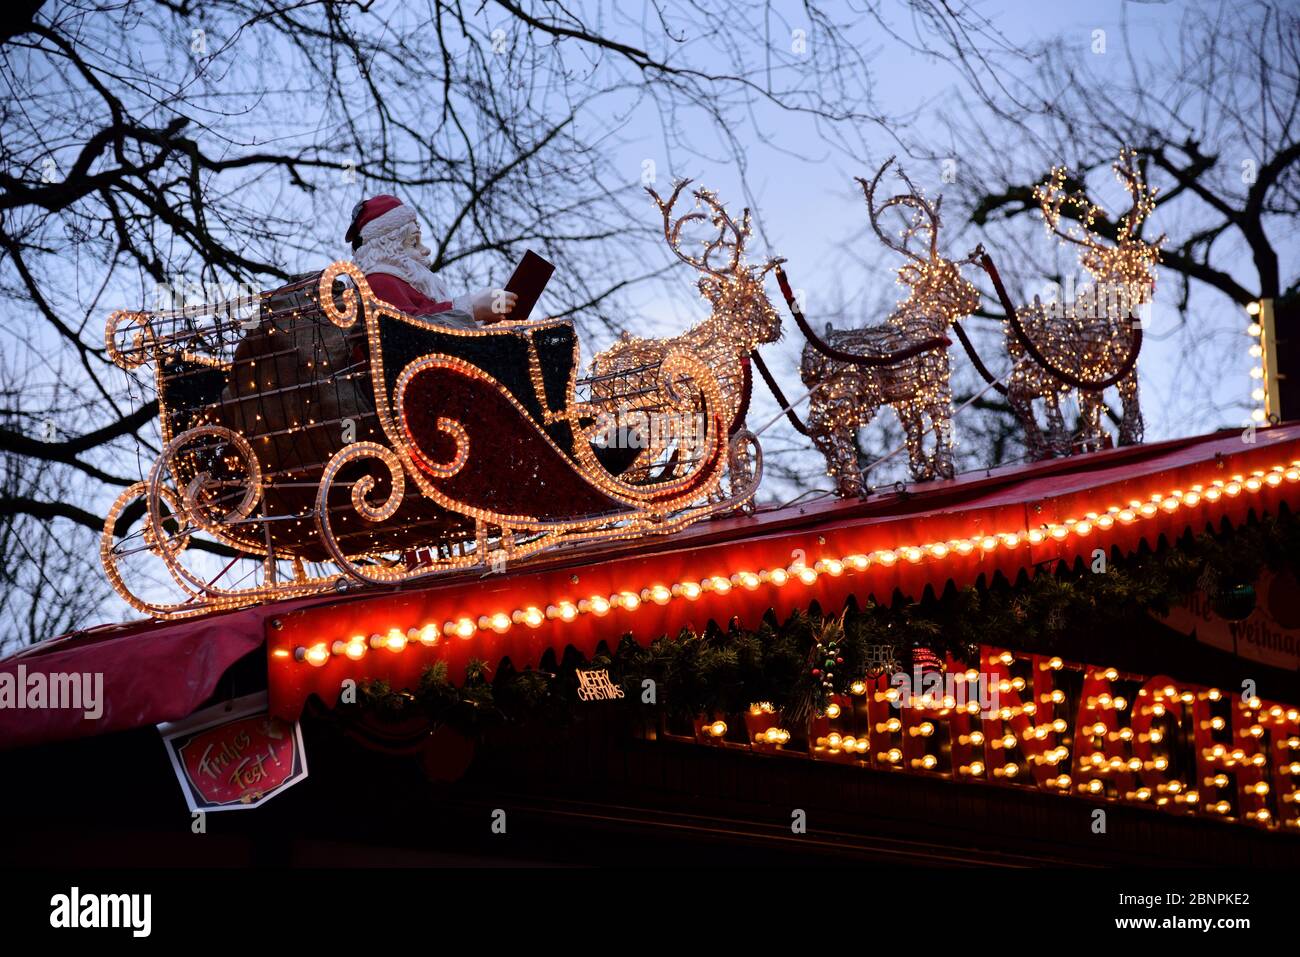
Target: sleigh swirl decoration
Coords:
[(331, 438)]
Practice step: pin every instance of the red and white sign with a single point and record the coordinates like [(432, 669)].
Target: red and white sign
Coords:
[(235, 755)]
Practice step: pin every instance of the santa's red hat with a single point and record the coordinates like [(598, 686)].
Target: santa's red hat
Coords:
[(376, 216)]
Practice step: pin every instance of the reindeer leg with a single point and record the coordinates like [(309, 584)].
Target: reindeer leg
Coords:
[(1022, 404), (1090, 404), (1130, 423), (941, 420), (1058, 434), (740, 468), (914, 432), (838, 446)]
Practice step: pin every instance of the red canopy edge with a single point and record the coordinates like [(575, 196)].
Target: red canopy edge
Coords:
[(492, 609), (163, 671)]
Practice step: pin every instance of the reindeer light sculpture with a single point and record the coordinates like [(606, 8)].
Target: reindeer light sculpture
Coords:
[(847, 392), (1093, 342), (742, 318)]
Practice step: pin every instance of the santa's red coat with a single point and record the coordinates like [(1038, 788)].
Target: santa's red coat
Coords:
[(400, 293)]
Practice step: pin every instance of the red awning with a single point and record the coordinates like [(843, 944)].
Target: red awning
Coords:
[(935, 532)]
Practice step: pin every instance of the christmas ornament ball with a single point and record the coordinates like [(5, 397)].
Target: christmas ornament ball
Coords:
[(1235, 600)]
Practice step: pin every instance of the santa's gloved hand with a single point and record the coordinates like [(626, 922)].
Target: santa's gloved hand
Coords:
[(492, 305)]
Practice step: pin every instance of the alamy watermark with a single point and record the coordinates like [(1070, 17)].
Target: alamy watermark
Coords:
[(638, 429), (58, 690), (1101, 300), (77, 910)]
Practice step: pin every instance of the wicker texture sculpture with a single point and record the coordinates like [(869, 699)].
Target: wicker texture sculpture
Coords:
[(847, 394), (1093, 342), (741, 318)]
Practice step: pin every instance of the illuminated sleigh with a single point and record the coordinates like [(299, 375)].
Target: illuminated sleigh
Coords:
[(330, 437)]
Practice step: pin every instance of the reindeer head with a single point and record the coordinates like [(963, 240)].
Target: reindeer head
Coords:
[(936, 289), (1132, 260), (732, 287)]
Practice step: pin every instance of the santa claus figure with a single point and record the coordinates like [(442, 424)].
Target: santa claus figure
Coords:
[(386, 245)]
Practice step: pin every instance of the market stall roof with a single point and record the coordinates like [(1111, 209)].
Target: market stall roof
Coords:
[(1001, 520)]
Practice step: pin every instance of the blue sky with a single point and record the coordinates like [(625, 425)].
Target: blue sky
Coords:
[(811, 212)]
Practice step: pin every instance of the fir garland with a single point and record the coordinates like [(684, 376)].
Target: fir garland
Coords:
[(798, 663)]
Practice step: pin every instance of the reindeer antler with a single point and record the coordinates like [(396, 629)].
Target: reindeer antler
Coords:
[(673, 230), (1128, 172), (913, 199), (1053, 194), (718, 216), (725, 225)]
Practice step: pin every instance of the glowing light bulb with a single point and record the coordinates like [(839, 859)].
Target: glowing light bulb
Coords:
[(830, 566)]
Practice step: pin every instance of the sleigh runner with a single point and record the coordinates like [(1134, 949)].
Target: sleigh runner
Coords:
[(333, 437)]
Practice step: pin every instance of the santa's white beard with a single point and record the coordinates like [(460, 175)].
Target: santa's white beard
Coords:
[(389, 254)]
